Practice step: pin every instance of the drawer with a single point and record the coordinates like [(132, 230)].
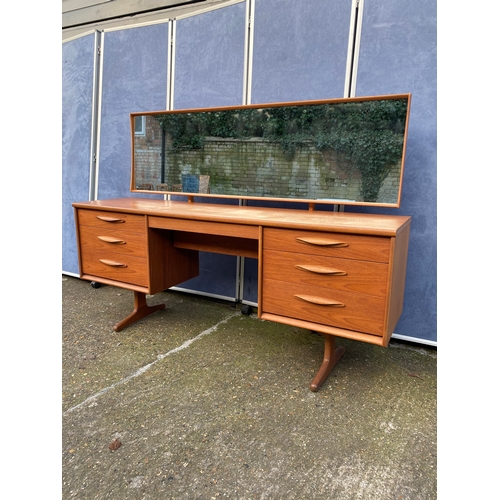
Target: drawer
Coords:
[(348, 310), (113, 240), (115, 266), (112, 220), (326, 272), (347, 246)]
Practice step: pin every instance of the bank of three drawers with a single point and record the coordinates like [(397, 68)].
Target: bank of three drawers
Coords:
[(336, 283)]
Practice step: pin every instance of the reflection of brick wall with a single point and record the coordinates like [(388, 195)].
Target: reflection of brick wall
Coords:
[(389, 191), (258, 168), (147, 150)]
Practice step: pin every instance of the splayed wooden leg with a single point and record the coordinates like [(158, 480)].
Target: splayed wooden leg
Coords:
[(141, 310), (330, 358)]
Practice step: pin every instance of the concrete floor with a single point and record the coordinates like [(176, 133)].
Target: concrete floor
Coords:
[(202, 402)]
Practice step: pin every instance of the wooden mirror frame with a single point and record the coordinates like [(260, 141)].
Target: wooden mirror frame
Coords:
[(355, 142)]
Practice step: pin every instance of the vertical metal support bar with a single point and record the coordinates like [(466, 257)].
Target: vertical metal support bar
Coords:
[(96, 115), (240, 277), (247, 99), (353, 48), (171, 64), (248, 63), (170, 73), (240, 268), (351, 72)]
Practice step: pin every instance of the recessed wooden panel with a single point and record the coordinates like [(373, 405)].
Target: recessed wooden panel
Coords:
[(169, 266), (228, 245)]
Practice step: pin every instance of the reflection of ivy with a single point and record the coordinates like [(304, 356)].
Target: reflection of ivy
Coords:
[(368, 133), (189, 130), (183, 130)]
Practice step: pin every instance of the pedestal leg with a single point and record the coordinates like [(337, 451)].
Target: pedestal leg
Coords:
[(141, 309), (330, 358)]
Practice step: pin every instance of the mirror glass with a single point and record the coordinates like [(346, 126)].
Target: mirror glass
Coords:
[(344, 151)]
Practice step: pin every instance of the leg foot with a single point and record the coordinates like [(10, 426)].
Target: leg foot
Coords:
[(141, 310), (330, 359)]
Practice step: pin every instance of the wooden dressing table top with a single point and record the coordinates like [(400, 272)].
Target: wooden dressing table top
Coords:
[(354, 223)]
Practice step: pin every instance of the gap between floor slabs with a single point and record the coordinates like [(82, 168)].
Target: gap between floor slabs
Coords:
[(145, 368)]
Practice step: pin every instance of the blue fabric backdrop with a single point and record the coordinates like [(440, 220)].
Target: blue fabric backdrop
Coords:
[(77, 86)]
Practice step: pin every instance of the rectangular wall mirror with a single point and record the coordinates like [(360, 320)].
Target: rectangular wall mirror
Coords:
[(342, 151)]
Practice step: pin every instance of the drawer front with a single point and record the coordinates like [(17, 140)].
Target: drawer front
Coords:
[(112, 220), (115, 266), (352, 311), (326, 272), (113, 240), (347, 246)]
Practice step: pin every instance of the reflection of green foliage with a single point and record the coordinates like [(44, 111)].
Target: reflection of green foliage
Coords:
[(189, 130), (185, 132), (368, 133)]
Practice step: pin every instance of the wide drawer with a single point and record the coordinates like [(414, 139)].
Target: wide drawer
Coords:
[(347, 246), (113, 240), (115, 266), (326, 272), (352, 311), (112, 220)]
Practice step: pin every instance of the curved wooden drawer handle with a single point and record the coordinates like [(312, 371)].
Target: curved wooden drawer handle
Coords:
[(321, 270), (109, 219), (114, 241), (322, 242), (320, 301), (112, 263)]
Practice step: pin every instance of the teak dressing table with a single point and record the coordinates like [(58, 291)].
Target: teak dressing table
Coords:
[(340, 274), (336, 273)]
